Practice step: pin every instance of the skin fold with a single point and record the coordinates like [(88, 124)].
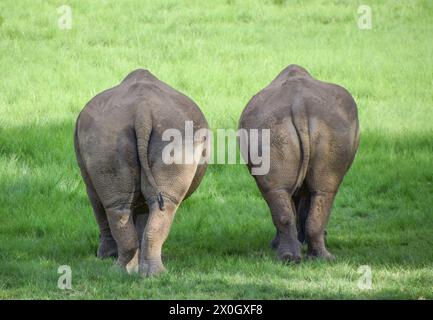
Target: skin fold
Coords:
[(314, 136), (133, 193)]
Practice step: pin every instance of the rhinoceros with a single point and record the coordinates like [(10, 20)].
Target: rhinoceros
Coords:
[(119, 147), (314, 136)]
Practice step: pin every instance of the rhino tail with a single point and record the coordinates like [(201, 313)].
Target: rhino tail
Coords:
[(143, 131), (300, 122)]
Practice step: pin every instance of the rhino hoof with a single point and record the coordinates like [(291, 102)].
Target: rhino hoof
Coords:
[(288, 257)]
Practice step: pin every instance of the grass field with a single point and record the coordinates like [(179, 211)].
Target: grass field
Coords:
[(220, 53)]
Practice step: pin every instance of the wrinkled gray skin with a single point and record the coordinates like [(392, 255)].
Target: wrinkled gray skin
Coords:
[(118, 143), (314, 137)]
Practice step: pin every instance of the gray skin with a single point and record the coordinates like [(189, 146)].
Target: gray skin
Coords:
[(118, 144), (314, 135)]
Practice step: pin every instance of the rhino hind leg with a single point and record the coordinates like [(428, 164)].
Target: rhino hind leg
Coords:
[(119, 199), (122, 227), (318, 215), (284, 218), (154, 235)]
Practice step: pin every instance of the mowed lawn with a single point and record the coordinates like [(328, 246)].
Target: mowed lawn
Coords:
[(220, 53)]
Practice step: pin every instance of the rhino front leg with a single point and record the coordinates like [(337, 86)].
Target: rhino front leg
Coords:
[(123, 230), (107, 245), (275, 242), (321, 203), (284, 218), (140, 221), (303, 208), (156, 232)]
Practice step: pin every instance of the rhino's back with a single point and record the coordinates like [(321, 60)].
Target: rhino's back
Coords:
[(295, 89), (115, 109)]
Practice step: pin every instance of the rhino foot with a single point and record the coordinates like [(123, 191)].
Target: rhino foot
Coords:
[(107, 249), (320, 254), (151, 268)]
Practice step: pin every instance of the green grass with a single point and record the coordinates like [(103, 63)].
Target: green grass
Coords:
[(219, 53)]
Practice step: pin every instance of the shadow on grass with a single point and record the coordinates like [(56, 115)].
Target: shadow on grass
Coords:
[(381, 214)]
